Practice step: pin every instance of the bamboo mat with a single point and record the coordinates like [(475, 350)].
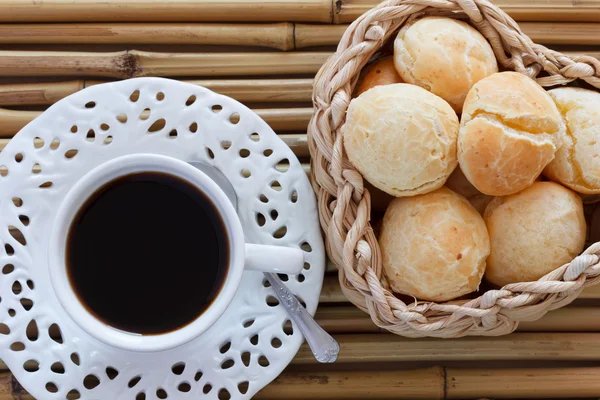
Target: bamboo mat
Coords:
[(266, 57)]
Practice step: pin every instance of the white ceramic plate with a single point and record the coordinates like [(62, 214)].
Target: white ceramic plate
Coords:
[(248, 347)]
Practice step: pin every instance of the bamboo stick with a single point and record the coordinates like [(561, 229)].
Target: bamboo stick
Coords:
[(571, 33), (286, 119), (517, 347), (135, 63), (261, 90), (245, 90), (282, 36), (227, 64), (128, 64), (37, 93), (12, 121), (342, 319), (407, 384), (430, 383), (520, 10), (270, 10), (278, 35), (318, 35), (522, 383), (18, 94), (161, 10), (48, 63), (280, 119), (297, 142), (540, 32)]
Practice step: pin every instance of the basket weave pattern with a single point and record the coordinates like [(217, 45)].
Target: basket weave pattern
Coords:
[(345, 206)]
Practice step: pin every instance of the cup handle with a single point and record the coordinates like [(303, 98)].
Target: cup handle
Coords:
[(277, 259)]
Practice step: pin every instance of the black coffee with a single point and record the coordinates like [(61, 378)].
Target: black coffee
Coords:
[(147, 253)]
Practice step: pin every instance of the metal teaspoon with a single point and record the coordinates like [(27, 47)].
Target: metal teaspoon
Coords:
[(323, 346)]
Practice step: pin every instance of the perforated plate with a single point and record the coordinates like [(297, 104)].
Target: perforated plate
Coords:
[(251, 343)]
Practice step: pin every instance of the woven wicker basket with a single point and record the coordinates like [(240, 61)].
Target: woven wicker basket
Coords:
[(345, 206)]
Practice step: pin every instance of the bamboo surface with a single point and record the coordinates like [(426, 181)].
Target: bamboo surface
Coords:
[(563, 346)]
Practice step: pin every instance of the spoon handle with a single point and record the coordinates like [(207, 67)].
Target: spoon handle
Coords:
[(324, 347)]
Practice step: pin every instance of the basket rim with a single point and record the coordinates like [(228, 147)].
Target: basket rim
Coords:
[(344, 203)]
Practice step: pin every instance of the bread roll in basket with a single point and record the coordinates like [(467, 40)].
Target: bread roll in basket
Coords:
[(345, 204)]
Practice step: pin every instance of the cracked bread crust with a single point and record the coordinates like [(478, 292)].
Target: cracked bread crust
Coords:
[(510, 130), (401, 138), (533, 232), (577, 161), (444, 56), (434, 246), (381, 72)]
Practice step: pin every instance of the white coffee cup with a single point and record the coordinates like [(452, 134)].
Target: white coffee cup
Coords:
[(242, 255)]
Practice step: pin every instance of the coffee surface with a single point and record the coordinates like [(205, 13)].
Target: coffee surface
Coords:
[(147, 253)]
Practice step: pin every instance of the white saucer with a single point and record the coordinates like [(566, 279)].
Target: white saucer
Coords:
[(247, 347)]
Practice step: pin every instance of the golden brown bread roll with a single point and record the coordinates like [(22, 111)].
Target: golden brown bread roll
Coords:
[(510, 129), (401, 138), (458, 182), (577, 161), (433, 246), (533, 232), (381, 72), (443, 55)]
